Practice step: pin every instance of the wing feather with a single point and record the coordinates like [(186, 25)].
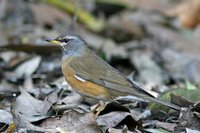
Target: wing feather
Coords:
[(100, 72)]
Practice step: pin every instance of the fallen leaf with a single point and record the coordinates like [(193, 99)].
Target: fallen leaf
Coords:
[(117, 119), (34, 48), (159, 130), (23, 125), (190, 117), (116, 51), (31, 109), (148, 69), (187, 12), (111, 119), (181, 66), (180, 100), (46, 14), (114, 130), (5, 117), (7, 88), (74, 98), (28, 68), (188, 130), (165, 125), (72, 121)]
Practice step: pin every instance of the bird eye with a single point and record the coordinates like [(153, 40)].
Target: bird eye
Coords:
[(66, 40)]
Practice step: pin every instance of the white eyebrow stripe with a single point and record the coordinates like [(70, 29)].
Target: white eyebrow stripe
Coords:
[(79, 78), (72, 37)]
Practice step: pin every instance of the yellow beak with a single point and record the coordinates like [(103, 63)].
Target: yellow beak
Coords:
[(53, 41)]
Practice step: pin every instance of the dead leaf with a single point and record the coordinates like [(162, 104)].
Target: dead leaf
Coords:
[(8, 55), (116, 51), (72, 121), (7, 88), (152, 5), (5, 117), (29, 108), (188, 130), (169, 38), (187, 12), (181, 66), (23, 125), (28, 68), (125, 24), (34, 48), (165, 125), (148, 69), (156, 130), (114, 130), (46, 14), (117, 116), (112, 119), (190, 117), (74, 98), (180, 100)]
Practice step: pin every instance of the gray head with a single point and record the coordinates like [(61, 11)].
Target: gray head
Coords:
[(69, 43)]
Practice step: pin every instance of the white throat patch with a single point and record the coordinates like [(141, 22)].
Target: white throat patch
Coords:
[(62, 45)]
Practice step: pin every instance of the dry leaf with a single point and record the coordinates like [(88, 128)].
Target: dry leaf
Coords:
[(31, 109), (28, 68), (72, 121), (187, 12)]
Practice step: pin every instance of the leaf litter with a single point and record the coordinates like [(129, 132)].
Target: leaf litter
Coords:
[(143, 38)]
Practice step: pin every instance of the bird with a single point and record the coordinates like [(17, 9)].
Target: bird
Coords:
[(92, 77)]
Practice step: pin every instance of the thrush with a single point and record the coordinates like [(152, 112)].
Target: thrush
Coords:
[(91, 76)]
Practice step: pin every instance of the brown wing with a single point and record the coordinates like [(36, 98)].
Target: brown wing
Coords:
[(92, 66), (94, 69)]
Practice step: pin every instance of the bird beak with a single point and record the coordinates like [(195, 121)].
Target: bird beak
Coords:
[(53, 41)]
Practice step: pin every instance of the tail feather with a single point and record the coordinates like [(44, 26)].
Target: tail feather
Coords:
[(145, 95), (168, 104)]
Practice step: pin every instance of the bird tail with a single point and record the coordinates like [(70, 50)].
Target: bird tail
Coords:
[(168, 104), (145, 95)]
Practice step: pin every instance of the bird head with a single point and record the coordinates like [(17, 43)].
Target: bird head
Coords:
[(68, 42)]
